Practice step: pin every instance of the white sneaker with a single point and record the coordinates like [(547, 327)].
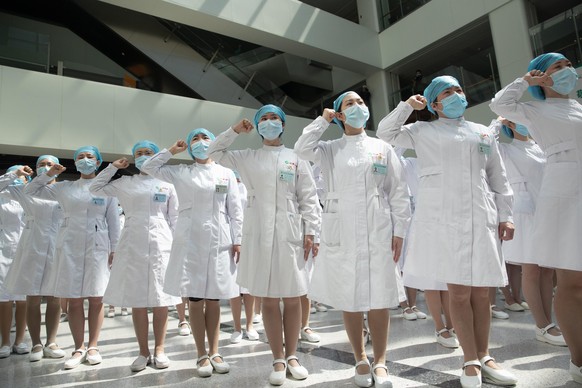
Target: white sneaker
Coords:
[(576, 372), (258, 318), (111, 313), (94, 359), (499, 314), (543, 335), (74, 362), (312, 309), (124, 312), (64, 317), (252, 335), (409, 314), (140, 363), (309, 337), (184, 328), (48, 352), (513, 307), (450, 342), (320, 307), (236, 337), (5, 351), (419, 314), (36, 356), (161, 361), (21, 348)]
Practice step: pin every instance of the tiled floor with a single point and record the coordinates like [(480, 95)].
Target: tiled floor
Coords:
[(415, 360)]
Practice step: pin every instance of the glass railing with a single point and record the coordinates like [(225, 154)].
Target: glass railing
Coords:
[(392, 11), (562, 34), (24, 49), (479, 83)]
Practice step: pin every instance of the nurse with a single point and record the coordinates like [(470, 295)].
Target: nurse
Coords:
[(85, 244), (281, 218), (554, 120), (141, 259), (462, 211), (31, 270), (525, 163), (364, 220), (207, 240), (12, 221)]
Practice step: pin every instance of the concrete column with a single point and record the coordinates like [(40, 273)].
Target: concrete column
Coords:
[(368, 14), (378, 87), (511, 40)]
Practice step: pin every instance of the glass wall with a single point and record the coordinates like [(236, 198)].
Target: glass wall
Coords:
[(562, 34), (391, 11), (467, 55)]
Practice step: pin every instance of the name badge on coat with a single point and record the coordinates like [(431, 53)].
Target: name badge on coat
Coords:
[(484, 149), (379, 168), (98, 201), (221, 189), (286, 176), (158, 197)]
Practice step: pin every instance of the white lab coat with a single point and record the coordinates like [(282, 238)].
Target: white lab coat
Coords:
[(88, 233), (282, 207), (31, 270), (462, 196), (141, 258), (209, 223), (365, 204), (411, 172), (555, 124), (11, 224)]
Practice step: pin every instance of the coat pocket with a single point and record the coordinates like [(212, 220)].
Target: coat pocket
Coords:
[(383, 225), (330, 229), (292, 226)]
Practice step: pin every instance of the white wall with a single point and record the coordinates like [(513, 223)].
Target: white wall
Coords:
[(43, 113)]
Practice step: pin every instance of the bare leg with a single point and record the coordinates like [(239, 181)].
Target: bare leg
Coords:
[(212, 315), (538, 290), (305, 311), (514, 275), (249, 308), (445, 300), (434, 304), (20, 317), (77, 323), (258, 305), (463, 319), (411, 295), (52, 318), (141, 326), (379, 321), (481, 319), (198, 323), (160, 318), (33, 318), (292, 325), (354, 323), (568, 305), (236, 309), (273, 322), (5, 321), (95, 320)]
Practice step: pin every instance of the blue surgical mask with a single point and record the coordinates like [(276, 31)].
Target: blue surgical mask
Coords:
[(521, 129), (564, 80), (357, 115), (41, 170), (86, 166), (17, 182), (199, 149), (270, 129), (454, 105), (139, 161)]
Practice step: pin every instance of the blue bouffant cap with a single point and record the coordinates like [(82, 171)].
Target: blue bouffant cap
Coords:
[(337, 104), (436, 87), (195, 132), (91, 149), (16, 167), (541, 63), (270, 108), (145, 144), (53, 159)]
